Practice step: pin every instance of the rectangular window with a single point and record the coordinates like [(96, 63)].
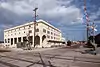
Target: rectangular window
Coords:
[(44, 30), (37, 30), (19, 39), (48, 36), (30, 31), (29, 25), (51, 33), (51, 37), (48, 32)]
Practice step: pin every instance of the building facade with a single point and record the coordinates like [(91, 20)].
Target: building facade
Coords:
[(46, 35)]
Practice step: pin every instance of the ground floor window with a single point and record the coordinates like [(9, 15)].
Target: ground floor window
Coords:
[(11, 41), (15, 40), (19, 39)]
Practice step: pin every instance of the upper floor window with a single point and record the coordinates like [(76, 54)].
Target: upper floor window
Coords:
[(30, 31), (37, 30), (29, 25), (48, 36), (51, 37), (44, 30), (48, 32), (51, 33)]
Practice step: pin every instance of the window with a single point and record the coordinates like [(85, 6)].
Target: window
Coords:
[(19, 32), (37, 30), (48, 36), (11, 41), (30, 31), (15, 40), (48, 32), (51, 33), (51, 37), (19, 28), (44, 30), (24, 31), (29, 25), (8, 40)]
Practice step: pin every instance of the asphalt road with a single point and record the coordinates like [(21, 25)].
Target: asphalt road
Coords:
[(49, 57)]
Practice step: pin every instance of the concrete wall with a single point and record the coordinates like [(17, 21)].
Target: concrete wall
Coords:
[(45, 32)]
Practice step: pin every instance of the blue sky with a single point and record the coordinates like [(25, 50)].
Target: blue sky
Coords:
[(63, 14)]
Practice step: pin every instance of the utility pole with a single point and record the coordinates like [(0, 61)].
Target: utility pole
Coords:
[(35, 15), (87, 20)]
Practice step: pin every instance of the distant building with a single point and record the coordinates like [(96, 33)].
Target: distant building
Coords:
[(46, 35)]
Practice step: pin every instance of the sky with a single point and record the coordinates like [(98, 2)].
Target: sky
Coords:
[(64, 14)]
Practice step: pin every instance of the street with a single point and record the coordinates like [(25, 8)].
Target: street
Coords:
[(49, 57)]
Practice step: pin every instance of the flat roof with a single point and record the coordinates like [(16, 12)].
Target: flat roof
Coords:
[(29, 23)]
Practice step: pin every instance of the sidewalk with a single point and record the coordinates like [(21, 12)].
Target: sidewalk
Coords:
[(35, 49)]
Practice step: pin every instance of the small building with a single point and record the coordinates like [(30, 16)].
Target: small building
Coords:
[(46, 35)]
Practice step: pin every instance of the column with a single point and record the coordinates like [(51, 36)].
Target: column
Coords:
[(10, 41), (17, 39), (13, 42), (41, 45), (21, 39), (33, 42)]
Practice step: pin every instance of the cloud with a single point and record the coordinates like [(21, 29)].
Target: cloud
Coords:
[(95, 15), (58, 12)]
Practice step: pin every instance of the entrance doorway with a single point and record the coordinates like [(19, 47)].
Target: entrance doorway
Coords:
[(37, 40)]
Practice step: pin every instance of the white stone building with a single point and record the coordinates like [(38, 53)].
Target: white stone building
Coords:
[(46, 35)]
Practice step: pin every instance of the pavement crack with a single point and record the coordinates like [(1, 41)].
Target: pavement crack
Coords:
[(8, 64)]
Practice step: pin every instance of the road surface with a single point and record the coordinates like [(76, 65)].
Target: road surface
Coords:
[(49, 57)]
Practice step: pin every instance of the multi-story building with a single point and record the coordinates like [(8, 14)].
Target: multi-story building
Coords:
[(46, 35)]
